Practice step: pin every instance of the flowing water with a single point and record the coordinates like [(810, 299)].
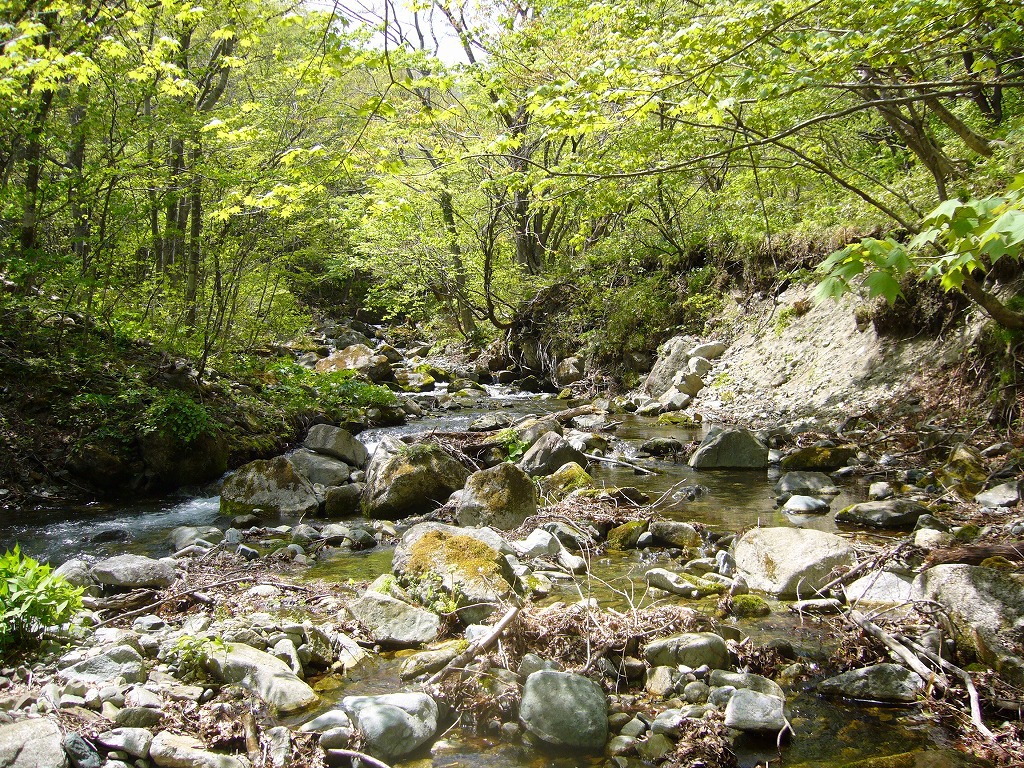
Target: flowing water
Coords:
[(828, 733)]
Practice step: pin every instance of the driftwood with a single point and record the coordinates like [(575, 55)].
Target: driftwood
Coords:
[(351, 754), (975, 554), (621, 463), (475, 649), (894, 645)]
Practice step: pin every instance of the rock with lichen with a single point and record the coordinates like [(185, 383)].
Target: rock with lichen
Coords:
[(405, 479), (502, 496), (467, 566)]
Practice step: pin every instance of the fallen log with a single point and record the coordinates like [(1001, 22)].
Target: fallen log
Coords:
[(975, 554), (475, 649)]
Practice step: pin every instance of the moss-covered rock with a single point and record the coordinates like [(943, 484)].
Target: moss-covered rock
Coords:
[(749, 606), (566, 479), (273, 486), (625, 536), (501, 497), (680, 419), (406, 479), (817, 458), (964, 472)]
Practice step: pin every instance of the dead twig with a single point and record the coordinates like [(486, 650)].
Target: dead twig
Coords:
[(890, 642)]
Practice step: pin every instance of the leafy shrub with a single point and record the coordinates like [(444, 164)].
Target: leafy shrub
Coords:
[(189, 655), (514, 445), (177, 414), (336, 392), (32, 598)]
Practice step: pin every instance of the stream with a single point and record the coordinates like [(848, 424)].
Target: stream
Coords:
[(828, 733)]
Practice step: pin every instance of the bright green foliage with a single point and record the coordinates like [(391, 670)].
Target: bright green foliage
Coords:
[(957, 239), (32, 599), (337, 393), (177, 414)]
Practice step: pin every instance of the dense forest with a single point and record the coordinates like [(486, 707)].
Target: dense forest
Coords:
[(207, 182)]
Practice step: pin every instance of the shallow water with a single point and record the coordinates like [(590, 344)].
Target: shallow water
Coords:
[(828, 733)]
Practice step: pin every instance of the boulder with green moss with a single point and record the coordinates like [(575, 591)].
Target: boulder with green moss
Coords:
[(465, 568), (548, 454), (566, 479), (405, 479), (964, 472), (502, 497), (682, 584), (819, 458), (749, 606), (625, 536), (273, 486)]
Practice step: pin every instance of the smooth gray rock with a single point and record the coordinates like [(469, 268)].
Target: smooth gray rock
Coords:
[(709, 350), (539, 543), (790, 562), (1005, 495), (880, 588), (692, 649), (259, 672), (393, 622), (338, 443), (809, 483), (78, 573), (134, 572), (393, 725), (169, 750), (677, 584), (565, 710), (320, 469), (548, 454), (986, 606), (805, 505), (749, 710), (343, 500), (135, 741), (501, 497), (673, 356), (730, 449), (34, 743), (186, 535), (742, 680), (119, 661), (406, 480), (881, 682), (890, 513)]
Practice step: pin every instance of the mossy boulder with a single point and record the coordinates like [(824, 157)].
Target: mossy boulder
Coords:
[(502, 497), (819, 458), (749, 606), (273, 486), (468, 565), (359, 358), (172, 462), (566, 479), (404, 479), (625, 536), (964, 472)]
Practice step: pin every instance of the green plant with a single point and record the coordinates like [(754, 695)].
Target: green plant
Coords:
[(429, 590), (190, 654), (514, 445), (32, 598), (177, 414)]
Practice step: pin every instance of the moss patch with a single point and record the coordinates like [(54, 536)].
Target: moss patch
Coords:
[(748, 606), (470, 557)]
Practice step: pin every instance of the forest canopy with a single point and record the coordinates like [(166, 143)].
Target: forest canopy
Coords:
[(206, 175)]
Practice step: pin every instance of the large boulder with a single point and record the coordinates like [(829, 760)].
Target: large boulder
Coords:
[(790, 562), (890, 513), (691, 649), (890, 683), (730, 449), (565, 710), (337, 443), (172, 462), (986, 607), (550, 452), (407, 479), (819, 458), (394, 623), (319, 469), (32, 744), (121, 661), (568, 371), (501, 497), (755, 712), (394, 724), (880, 588), (272, 485), (1004, 495), (359, 358), (567, 479), (261, 673), (467, 564), (134, 572), (672, 357)]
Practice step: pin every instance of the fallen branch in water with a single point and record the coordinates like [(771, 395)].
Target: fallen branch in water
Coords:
[(475, 649), (619, 462), (351, 754), (890, 642)]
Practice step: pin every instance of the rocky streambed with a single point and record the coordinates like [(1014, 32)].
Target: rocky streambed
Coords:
[(433, 602)]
